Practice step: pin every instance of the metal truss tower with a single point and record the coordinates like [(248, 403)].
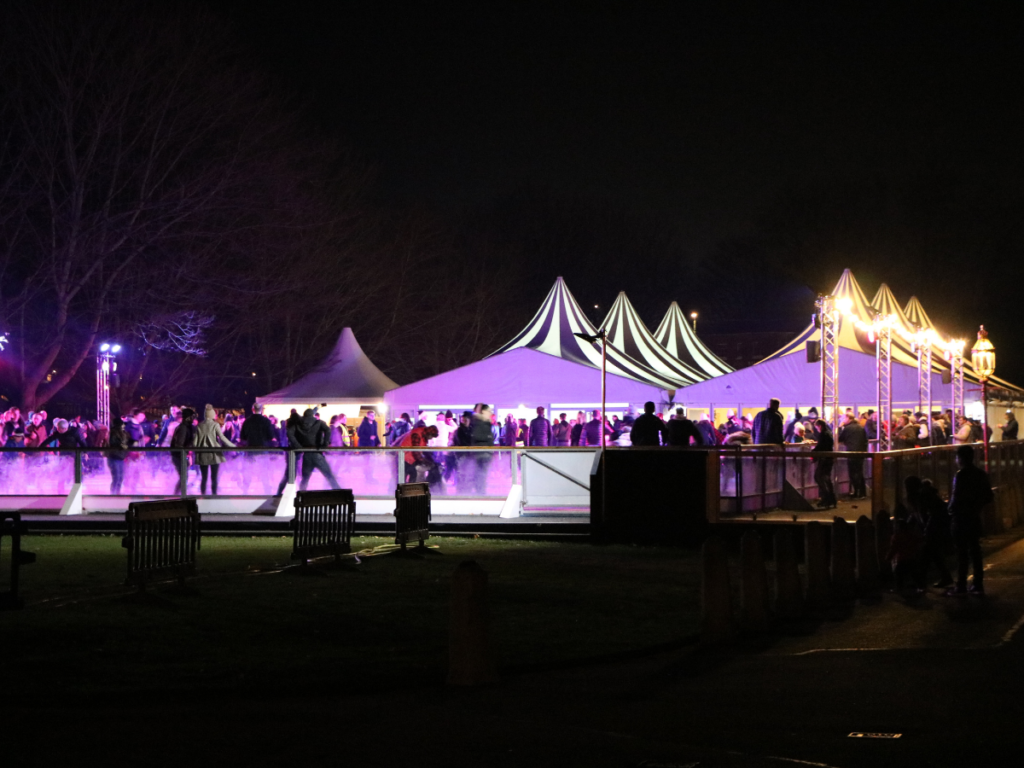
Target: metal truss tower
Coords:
[(103, 366), (828, 318), (924, 381), (956, 365), (883, 367)]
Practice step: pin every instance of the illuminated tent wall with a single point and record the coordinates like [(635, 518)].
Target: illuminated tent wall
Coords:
[(519, 380), (627, 332), (551, 332), (798, 383), (679, 339), (346, 380)]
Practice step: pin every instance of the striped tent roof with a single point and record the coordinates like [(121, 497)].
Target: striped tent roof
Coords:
[(885, 302), (627, 332), (849, 336), (915, 313), (675, 335), (551, 331)]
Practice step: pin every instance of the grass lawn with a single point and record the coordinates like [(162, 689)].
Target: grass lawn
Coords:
[(254, 629)]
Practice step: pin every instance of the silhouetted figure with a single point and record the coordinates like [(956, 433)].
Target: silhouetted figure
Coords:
[(647, 430), (540, 430), (823, 465), (681, 430), (971, 492), (853, 437), (768, 428), (311, 432)]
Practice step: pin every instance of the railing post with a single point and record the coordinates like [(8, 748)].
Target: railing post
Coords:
[(183, 474), (78, 466), (291, 467), (877, 485), (515, 468)]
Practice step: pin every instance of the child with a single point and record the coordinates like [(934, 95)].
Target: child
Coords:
[(904, 554)]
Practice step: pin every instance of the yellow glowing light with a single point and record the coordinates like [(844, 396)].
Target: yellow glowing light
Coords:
[(844, 304)]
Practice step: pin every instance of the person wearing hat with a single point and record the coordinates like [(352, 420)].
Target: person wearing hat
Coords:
[(65, 437), (1010, 427)]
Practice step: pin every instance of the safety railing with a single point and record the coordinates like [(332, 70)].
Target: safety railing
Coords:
[(757, 479), (553, 476)]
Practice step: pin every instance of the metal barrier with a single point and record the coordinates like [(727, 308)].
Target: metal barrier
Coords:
[(323, 524), (163, 538), (412, 513), (11, 525)]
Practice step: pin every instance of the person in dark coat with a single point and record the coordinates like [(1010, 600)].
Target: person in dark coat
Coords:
[(853, 437), (1010, 427), (257, 432), (284, 429), (481, 435), (367, 432), (971, 492), (823, 465), (560, 431), (540, 430), (768, 428), (679, 430), (184, 436), (648, 429), (576, 433), (311, 432), (592, 430)]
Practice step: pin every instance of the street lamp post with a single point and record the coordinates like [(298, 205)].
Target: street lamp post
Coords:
[(105, 368), (593, 338), (983, 360), (693, 316)]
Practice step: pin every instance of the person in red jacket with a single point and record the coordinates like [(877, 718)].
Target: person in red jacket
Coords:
[(416, 460)]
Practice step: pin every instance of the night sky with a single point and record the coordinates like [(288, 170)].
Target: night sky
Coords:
[(777, 145)]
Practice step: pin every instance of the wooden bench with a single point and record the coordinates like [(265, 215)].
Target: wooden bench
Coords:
[(163, 538), (412, 513), (323, 525), (11, 525)]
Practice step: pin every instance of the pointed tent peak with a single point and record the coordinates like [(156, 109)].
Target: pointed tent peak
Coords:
[(916, 314), (675, 334), (627, 331), (345, 374), (553, 330)]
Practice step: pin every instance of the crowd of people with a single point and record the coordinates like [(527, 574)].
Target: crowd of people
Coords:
[(181, 430)]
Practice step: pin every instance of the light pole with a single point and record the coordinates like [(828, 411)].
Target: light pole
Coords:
[(593, 338), (983, 360), (105, 368), (693, 316)]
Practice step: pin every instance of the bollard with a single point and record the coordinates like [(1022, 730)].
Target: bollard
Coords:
[(716, 599), (754, 585), (789, 602), (868, 582), (470, 656), (883, 537), (818, 593), (843, 581)]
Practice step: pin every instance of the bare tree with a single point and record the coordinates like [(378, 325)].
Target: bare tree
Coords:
[(133, 160)]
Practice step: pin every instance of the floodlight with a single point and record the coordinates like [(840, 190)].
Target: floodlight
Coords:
[(104, 347), (116, 348)]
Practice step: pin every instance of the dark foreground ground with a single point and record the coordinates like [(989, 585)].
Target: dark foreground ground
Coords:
[(945, 674)]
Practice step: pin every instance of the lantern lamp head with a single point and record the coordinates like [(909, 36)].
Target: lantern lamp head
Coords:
[(983, 356)]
